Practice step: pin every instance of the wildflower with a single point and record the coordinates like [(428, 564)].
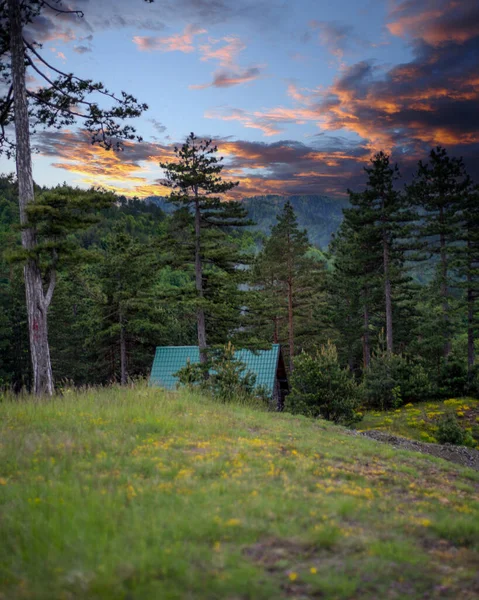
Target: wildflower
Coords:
[(233, 523), (293, 576), (313, 570), (217, 546), (425, 522), (3, 481)]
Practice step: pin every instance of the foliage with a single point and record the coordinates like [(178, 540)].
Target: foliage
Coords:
[(420, 421), (449, 431), (289, 284), (224, 377), (392, 380), (204, 239), (62, 98), (321, 388)]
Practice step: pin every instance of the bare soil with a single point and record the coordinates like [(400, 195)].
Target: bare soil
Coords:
[(461, 455)]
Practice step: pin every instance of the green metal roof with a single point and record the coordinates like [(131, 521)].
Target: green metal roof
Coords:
[(170, 359)]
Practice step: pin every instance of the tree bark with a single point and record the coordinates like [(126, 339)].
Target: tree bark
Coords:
[(37, 301), (200, 313), (387, 296), (444, 288)]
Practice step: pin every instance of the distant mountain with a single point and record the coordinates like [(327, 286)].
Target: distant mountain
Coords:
[(319, 215)]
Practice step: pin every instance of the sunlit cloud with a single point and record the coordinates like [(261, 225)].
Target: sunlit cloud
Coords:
[(435, 21), (179, 42), (226, 51)]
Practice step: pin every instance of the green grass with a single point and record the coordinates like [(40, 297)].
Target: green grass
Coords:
[(419, 421), (139, 494)]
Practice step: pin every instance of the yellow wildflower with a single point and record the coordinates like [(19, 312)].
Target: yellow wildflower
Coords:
[(293, 576), (313, 570), (233, 523)]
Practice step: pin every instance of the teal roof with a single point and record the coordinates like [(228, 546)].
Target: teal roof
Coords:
[(170, 359)]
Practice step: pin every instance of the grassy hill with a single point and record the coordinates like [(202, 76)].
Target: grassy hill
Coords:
[(141, 494), (319, 215)]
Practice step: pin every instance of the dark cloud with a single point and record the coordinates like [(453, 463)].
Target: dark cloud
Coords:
[(224, 78), (284, 167)]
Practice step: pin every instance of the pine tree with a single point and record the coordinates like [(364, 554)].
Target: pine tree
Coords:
[(64, 100), (291, 282), (466, 264), (385, 204), (203, 236), (358, 260), (437, 192)]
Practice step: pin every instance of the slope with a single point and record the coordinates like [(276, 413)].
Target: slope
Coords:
[(137, 493), (319, 215)]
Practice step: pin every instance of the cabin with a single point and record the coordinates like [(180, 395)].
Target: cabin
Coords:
[(267, 365)]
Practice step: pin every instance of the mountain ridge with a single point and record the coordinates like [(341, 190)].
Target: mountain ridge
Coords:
[(320, 215)]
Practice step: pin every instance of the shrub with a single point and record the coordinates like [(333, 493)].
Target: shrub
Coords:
[(320, 387), (391, 380), (449, 431), (224, 377), (453, 377)]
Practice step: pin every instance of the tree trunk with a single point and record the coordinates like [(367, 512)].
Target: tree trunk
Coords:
[(366, 343), (387, 296), (200, 313), (37, 301), (444, 288), (123, 369)]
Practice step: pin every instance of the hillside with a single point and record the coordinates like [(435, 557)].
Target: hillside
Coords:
[(320, 215), (135, 493)]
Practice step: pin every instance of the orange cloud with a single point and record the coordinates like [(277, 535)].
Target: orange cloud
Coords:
[(180, 42), (225, 54), (436, 21)]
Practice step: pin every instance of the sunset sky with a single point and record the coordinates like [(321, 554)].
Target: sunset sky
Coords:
[(297, 94)]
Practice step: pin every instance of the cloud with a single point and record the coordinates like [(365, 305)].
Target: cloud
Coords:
[(406, 108), (128, 172), (226, 51), (337, 37), (226, 78), (158, 126), (269, 121), (435, 21), (179, 42), (285, 167)]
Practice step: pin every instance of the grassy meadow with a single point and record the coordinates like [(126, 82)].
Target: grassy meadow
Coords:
[(420, 421), (140, 494)]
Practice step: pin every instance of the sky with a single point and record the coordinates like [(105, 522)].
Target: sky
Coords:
[(297, 95)]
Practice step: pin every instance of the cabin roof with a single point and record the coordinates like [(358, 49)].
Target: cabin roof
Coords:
[(170, 359)]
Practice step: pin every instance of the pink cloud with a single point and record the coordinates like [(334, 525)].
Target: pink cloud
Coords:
[(225, 54), (178, 42)]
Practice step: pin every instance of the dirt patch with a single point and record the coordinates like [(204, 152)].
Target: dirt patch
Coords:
[(275, 554), (467, 457)]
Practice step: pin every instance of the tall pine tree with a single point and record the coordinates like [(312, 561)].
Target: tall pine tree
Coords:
[(204, 237), (437, 193)]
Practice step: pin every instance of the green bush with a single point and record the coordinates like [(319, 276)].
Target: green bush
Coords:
[(449, 431), (392, 380), (453, 378), (224, 377), (320, 387)]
